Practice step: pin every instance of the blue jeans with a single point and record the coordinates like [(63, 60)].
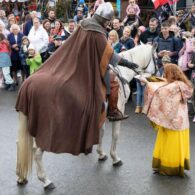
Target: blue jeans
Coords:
[(160, 71), (140, 93)]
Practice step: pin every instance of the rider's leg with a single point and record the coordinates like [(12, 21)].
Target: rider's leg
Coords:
[(40, 170), (114, 114)]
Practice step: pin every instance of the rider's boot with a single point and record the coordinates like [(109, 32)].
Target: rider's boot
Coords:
[(114, 114)]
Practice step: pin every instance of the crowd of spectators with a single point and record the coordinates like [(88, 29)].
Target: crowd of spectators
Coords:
[(24, 47)]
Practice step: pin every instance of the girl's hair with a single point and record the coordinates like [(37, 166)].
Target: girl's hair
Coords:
[(2, 37), (113, 32), (25, 38), (45, 21), (61, 25), (174, 73), (128, 28)]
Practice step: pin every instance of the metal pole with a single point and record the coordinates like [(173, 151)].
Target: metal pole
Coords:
[(174, 8)]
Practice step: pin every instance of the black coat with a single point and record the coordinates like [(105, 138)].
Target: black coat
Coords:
[(148, 36)]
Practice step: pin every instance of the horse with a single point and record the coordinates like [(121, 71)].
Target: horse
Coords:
[(143, 55), (26, 145)]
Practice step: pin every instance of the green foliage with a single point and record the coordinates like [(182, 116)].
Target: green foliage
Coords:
[(63, 9)]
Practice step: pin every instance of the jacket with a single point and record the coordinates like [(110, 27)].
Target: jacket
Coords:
[(169, 44), (12, 41)]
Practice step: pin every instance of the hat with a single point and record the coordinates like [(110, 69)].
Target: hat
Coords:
[(166, 59), (57, 37)]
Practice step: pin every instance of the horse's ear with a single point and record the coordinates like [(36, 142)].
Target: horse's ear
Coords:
[(154, 46)]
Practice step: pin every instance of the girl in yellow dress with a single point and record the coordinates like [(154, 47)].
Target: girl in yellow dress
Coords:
[(166, 108)]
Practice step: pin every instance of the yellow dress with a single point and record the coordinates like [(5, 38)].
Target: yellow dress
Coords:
[(171, 155)]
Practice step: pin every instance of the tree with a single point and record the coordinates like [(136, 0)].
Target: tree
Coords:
[(63, 10)]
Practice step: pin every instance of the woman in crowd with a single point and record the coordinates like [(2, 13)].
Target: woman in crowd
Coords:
[(126, 39), (114, 41), (58, 30), (11, 20), (15, 39), (191, 65), (47, 26), (185, 53), (39, 38), (166, 108)]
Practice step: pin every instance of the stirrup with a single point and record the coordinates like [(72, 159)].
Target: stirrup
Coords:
[(118, 116)]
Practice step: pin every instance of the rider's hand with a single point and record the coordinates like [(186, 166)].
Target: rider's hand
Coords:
[(126, 63)]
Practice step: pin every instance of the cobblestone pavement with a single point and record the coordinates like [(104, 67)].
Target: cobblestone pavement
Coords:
[(84, 175)]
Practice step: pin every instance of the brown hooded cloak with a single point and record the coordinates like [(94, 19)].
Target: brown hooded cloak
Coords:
[(63, 99)]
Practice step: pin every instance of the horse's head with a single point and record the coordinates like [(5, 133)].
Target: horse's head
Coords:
[(142, 55)]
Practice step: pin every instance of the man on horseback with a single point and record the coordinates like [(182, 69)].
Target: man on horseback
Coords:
[(70, 87), (102, 17)]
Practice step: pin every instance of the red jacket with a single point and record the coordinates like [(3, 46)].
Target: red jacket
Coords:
[(4, 46)]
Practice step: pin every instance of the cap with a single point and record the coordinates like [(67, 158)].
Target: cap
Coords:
[(57, 37)]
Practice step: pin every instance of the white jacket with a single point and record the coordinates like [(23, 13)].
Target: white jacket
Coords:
[(39, 39)]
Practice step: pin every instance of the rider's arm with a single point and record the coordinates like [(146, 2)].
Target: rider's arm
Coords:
[(118, 60)]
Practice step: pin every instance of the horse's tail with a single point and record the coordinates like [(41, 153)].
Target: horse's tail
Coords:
[(24, 149)]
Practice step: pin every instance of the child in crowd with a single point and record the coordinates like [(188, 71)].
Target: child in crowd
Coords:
[(23, 56), (34, 59), (53, 46), (82, 6), (5, 63), (132, 5), (97, 4)]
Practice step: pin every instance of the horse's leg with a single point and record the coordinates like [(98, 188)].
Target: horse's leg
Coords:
[(102, 154), (48, 185), (117, 125), (115, 135), (24, 151)]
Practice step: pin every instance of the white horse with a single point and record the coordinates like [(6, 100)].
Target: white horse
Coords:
[(26, 146), (142, 55)]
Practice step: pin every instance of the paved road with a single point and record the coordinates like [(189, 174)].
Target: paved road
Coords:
[(83, 175)]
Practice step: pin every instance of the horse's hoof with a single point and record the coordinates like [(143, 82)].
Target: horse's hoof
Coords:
[(103, 159), (22, 182), (118, 164), (49, 187)]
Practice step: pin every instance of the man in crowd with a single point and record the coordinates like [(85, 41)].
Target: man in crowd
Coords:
[(149, 34), (52, 18), (167, 45), (79, 16), (53, 46), (116, 24), (70, 28)]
